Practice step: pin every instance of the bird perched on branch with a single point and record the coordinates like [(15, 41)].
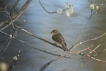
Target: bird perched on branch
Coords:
[(58, 39)]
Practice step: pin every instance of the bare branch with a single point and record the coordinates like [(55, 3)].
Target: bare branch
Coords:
[(47, 10), (34, 47), (9, 17), (6, 46), (4, 59), (15, 59), (13, 8), (37, 36), (71, 52), (84, 49), (88, 21), (19, 13), (14, 34), (94, 49)]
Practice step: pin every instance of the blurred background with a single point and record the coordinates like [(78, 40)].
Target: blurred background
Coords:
[(39, 22)]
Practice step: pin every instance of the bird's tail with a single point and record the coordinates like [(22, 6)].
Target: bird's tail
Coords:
[(64, 47)]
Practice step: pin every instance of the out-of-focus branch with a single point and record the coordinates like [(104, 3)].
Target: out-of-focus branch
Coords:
[(13, 8), (88, 40), (37, 37), (88, 21), (75, 52), (9, 16), (4, 60), (84, 49), (100, 52), (18, 14), (47, 10), (22, 10), (13, 36), (4, 10), (15, 59), (34, 47), (6, 46), (11, 13), (94, 50)]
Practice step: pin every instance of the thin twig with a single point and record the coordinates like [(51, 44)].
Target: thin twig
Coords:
[(9, 17), (84, 49), (13, 8), (18, 14), (3, 10), (99, 52), (37, 37), (34, 47), (6, 46), (14, 34), (95, 49), (4, 59), (47, 10), (14, 61), (88, 22), (93, 39), (71, 52)]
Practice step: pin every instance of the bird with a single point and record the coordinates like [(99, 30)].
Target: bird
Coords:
[(58, 39)]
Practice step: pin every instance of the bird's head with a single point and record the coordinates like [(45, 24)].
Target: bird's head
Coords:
[(55, 32)]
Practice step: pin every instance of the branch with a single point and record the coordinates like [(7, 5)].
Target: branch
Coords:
[(34, 47), (19, 13), (4, 10), (13, 8), (88, 21), (4, 60), (72, 52), (15, 59), (13, 36), (6, 46), (47, 10), (37, 37)]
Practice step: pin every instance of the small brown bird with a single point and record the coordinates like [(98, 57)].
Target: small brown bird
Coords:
[(58, 39)]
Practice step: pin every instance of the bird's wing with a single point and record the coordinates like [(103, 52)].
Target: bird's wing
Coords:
[(56, 38), (59, 39), (63, 41)]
